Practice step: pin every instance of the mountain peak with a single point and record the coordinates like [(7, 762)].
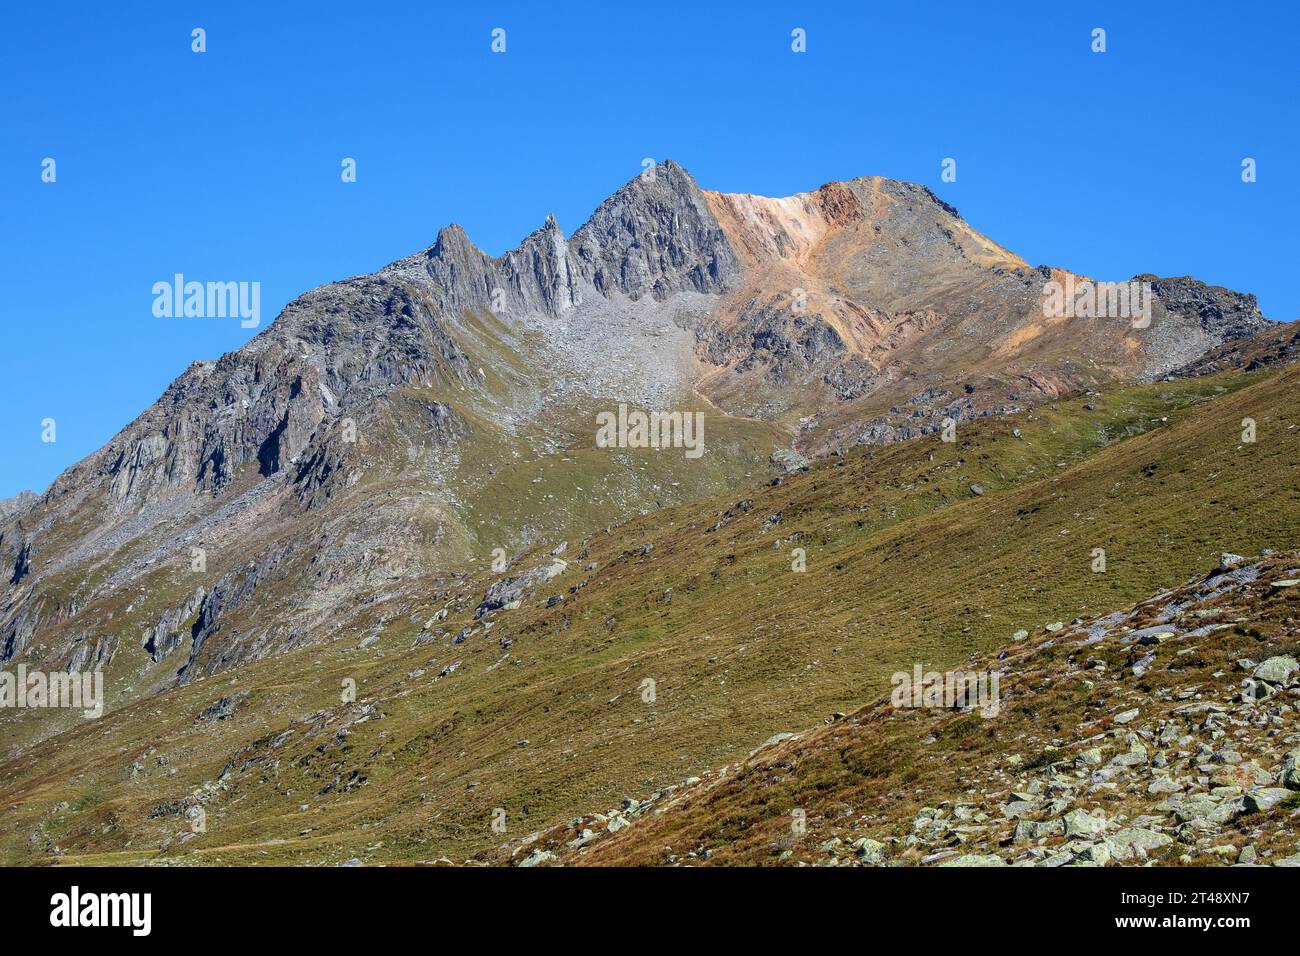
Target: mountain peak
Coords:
[(19, 502), (453, 238)]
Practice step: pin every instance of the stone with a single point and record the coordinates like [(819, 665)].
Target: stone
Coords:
[(975, 859), (1136, 842), (1095, 854), (1253, 690), (223, 709), (1027, 830), (1157, 637), (1092, 757), (1019, 808), (1160, 785), (1263, 799), (771, 741), (538, 857), (1228, 810), (508, 593), (1276, 670), (1290, 775), (1080, 823), (1134, 758), (869, 851)]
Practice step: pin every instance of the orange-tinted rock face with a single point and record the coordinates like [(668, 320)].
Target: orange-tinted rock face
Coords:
[(858, 297)]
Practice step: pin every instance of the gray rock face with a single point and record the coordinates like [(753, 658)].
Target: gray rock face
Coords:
[(655, 238), (1191, 317), (1221, 313), (235, 590), (222, 709), (17, 504), (166, 635)]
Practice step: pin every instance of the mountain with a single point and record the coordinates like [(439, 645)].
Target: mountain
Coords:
[(911, 317), (389, 434), (497, 705)]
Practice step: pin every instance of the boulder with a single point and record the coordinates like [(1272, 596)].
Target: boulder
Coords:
[(1263, 799), (1276, 670), (1080, 823), (869, 851), (974, 859), (1136, 842), (1290, 776)]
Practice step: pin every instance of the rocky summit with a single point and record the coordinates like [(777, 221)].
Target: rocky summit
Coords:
[(388, 547)]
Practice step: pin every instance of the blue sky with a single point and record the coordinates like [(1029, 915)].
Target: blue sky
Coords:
[(225, 165)]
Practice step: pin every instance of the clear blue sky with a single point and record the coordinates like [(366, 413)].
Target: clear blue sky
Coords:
[(225, 165)]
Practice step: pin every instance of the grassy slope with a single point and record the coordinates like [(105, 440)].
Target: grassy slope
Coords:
[(491, 488), (871, 773), (904, 565)]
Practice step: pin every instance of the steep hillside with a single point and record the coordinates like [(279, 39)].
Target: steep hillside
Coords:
[(525, 691), (1166, 732)]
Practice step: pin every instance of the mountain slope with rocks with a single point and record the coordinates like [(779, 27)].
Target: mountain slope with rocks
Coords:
[(1166, 732), (614, 664)]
